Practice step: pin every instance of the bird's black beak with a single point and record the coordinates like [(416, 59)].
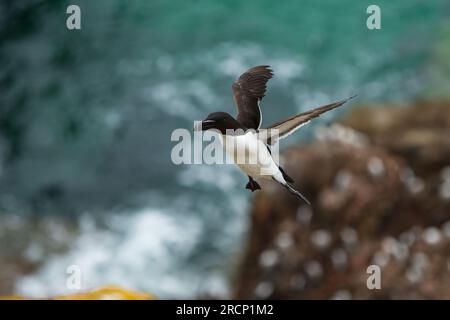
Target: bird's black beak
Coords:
[(204, 125)]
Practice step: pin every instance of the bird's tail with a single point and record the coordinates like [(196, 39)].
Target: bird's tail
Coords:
[(280, 179), (297, 193)]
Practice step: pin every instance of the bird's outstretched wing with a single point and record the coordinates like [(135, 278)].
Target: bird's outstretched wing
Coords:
[(284, 128), (248, 91)]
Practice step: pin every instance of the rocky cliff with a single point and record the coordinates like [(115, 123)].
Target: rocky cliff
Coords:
[(379, 183)]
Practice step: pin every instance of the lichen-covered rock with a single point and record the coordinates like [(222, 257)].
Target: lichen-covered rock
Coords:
[(105, 293), (379, 198)]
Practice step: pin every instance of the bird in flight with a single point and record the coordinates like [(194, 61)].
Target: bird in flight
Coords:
[(244, 135)]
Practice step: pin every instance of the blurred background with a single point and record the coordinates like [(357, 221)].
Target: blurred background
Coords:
[(85, 171)]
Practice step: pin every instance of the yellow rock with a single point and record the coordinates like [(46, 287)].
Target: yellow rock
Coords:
[(105, 293)]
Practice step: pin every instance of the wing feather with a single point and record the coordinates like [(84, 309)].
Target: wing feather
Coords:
[(248, 91), (284, 128)]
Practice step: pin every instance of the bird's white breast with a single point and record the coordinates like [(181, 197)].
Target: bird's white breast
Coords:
[(250, 154)]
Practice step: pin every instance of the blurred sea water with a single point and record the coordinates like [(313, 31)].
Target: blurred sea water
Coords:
[(86, 118)]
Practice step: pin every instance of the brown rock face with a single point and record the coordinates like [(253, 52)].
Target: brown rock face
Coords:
[(381, 198)]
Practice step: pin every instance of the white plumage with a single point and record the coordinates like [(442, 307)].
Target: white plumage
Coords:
[(251, 155)]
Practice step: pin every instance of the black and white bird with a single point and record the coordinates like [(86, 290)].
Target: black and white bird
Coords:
[(244, 135)]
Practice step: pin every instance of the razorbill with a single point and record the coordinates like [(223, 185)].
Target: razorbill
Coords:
[(242, 136)]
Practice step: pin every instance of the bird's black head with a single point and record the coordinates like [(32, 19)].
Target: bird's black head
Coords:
[(220, 121)]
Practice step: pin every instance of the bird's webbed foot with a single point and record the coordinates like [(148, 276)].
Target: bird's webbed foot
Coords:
[(252, 184)]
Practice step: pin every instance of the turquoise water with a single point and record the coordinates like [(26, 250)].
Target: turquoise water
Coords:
[(86, 115)]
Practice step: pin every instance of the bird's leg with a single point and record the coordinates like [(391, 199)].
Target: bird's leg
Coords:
[(252, 184)]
